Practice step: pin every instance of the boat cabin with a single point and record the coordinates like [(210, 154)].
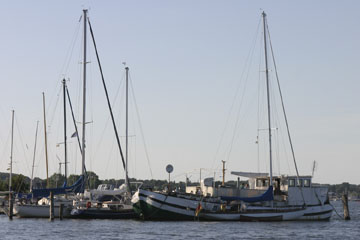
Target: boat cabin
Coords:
[(289, 190)]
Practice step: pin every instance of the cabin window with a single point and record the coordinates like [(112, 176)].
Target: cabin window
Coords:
[(266, 183), (259, 183), (306, 182), (291, 183), (299, 183)]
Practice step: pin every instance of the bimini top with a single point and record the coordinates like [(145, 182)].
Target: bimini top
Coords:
[(250, 174)]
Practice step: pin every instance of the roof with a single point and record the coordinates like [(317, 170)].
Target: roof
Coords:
[(250, 174)]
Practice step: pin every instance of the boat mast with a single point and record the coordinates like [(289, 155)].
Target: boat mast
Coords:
[(11, 153), (223, 173), (46, 150), (65, 137), (127, 129), (84, 97), (33, 164), (11, 163), (108, 100), (268, 94)]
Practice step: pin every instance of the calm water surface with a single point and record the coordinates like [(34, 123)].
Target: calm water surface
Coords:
[(336, 228)]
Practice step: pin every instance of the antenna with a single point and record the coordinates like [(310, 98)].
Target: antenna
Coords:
[(313, 168)]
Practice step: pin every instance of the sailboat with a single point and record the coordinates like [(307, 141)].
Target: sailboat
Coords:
[(267, 198), (119, 206), (41, 208)]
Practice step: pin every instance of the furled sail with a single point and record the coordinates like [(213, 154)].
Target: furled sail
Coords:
[(77, 187)]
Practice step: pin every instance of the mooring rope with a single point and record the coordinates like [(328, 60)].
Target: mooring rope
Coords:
[(336, 211)]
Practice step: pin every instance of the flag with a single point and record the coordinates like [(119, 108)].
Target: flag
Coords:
[(74, 134), (198, 209)]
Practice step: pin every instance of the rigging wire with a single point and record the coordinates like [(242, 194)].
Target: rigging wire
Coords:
[(107, 96), (22, 144), (261, 105), (73, 118), (235, 97), (283, 108), (110, 154), (70, 51), (246, 72), (282, 102), (6, 146), (2, 116), (140, 125), (113, 103)]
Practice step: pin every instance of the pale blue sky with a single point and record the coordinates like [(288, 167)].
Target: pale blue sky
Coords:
[(186, 59)]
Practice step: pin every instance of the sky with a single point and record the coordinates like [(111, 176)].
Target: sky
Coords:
[(195, 69)]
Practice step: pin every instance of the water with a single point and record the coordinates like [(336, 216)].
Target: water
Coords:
[(29, 229)]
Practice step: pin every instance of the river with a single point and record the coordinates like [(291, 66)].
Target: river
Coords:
[(30, 229)]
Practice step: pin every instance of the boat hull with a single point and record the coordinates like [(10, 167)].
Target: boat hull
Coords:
[(156, 206), (318, 213), (93, 213), (39, 211)]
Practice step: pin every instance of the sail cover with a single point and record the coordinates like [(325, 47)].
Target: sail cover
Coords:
[(77, 187), (266, 196)]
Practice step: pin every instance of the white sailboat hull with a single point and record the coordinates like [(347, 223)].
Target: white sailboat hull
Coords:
[(39, 211)]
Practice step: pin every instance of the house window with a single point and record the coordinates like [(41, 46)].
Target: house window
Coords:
[(291, 183), (306, 182)]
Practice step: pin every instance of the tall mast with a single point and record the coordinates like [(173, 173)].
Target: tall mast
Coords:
[(33, 163), (11, 163), (11, 152), (65, 137), (46, 150), (84, 97), (127, 129), (268, 94), (223, 173)]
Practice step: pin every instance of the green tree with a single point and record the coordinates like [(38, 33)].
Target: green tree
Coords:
[(3, 186), (93, 180), (72, 179), (19, 183), (56, 180)]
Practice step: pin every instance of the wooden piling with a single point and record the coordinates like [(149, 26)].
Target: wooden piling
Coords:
[(51, 206), (11, 206), (61, 210), (346, 206)]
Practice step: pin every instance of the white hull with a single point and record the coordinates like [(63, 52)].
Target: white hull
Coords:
[(318, 212), (265, 214), (39, 211)]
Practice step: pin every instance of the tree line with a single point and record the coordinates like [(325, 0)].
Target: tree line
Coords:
[(21, 183)]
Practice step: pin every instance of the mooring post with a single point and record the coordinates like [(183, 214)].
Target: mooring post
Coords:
[(11, 206), (51, 206), (346, 206), (61, 211)]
